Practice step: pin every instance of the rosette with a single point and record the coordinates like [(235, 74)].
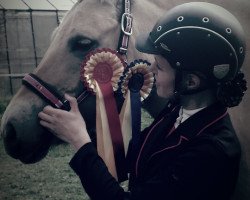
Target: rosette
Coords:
[(136, 86), (100, 72), (102, 66), (138, 78)]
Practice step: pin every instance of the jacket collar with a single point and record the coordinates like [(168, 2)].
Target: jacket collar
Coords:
[(201, 120), (189, 129)]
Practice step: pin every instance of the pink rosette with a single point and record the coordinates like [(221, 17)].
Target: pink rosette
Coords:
[(102, 66)]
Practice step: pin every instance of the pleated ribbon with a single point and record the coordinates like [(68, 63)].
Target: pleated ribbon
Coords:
[(101, 72), (136, 87)]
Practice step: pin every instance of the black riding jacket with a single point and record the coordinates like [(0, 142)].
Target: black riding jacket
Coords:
[(199, 160)]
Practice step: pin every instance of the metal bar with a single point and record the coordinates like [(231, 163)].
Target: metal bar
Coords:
[(27, 10), (57, 18), (7, 50), (33, 36), (26, 4), (13, 75), (52, 4)]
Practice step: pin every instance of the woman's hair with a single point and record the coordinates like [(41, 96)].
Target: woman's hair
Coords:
[(230, 93)]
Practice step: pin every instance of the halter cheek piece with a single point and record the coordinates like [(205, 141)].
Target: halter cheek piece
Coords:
[(51, 95)]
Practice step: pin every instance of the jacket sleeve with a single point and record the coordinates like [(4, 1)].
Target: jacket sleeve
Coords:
[(94, 175)]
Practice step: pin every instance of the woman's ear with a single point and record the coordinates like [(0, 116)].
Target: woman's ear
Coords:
[(192, 81)]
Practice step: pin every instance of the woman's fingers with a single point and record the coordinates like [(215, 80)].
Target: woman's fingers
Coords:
[(45, 117), (54, 112), (47, 125), (68, 126), (73, 103), (49, 110)]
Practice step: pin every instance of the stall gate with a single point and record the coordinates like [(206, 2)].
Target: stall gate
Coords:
[(25, 30)]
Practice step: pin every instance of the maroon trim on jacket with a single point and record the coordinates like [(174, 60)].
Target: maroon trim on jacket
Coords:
[(182, 137), (151, 130), (170, 147), (225, 113)]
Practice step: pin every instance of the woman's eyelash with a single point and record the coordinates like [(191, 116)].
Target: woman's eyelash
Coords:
[(158, 67)]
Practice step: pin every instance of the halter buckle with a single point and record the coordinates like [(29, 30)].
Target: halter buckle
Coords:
[(128, 29)]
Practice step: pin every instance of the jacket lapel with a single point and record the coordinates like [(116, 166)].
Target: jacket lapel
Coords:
[(155, 136), (164, 138), (192, 127)]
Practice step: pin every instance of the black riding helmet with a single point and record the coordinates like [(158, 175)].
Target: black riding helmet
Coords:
[(198, 36)]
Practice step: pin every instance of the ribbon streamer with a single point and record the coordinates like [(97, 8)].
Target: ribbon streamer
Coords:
[(126, 123), (136, 87), (100, 73)]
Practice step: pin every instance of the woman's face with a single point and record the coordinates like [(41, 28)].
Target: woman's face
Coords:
[(165, 77)]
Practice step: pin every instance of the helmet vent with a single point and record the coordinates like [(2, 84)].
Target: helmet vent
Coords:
[(228, 30), (159, 28), (220, 71), (205, 19), (165, 47), (241, 49), (180, 19)]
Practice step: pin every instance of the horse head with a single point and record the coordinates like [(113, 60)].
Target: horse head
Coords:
[(90, 24)]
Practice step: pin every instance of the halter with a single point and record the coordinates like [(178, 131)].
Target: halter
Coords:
[(42, 88), (126, 27)]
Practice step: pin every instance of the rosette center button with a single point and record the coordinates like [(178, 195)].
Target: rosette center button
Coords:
[(103, 72)]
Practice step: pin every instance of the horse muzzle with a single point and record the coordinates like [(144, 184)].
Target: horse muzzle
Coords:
[(21, 136)]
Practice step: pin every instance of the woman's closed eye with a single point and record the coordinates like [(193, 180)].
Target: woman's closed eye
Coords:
[(158, 67)]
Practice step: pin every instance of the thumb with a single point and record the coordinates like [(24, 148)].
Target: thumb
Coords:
[(72, 102)]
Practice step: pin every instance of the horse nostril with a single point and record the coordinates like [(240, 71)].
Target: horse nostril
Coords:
[(10, 133), (12, 146)]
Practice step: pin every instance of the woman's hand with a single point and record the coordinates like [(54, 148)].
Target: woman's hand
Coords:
[(68, 126)]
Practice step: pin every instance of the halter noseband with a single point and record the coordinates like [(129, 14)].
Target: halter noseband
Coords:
[(57, 101)]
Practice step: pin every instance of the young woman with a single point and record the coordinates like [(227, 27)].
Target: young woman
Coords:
[(191, 150)]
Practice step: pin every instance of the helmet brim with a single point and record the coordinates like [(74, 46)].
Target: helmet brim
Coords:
[(145, 45)]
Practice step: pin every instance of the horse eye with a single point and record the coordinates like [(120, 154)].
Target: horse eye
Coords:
[(83, 45), (80, 45)]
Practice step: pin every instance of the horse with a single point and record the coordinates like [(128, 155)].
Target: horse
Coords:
[(89, 25)]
